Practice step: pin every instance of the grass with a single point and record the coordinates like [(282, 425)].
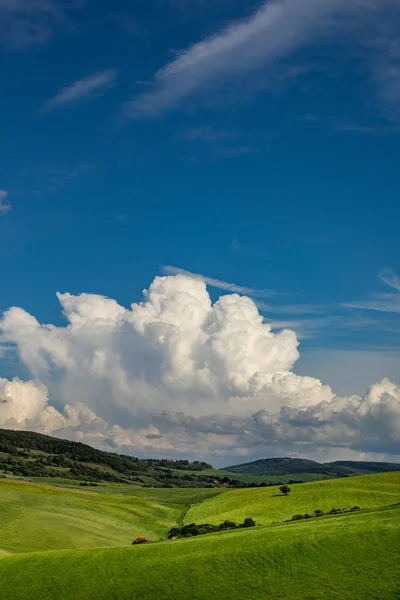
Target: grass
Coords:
[(304, 477), (267, 505), (349, 557), (69, 542), (41, 517)]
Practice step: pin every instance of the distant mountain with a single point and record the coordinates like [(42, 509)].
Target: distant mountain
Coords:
[(286, 466)]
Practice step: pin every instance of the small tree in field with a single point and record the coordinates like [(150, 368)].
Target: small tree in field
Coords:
[(285, 489)]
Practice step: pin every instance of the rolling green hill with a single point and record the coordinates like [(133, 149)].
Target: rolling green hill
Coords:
[(267, 505), (61, 540), (40, 517), (349, 557), (283, 466)]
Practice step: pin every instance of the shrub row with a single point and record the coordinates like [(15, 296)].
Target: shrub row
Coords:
[(321, 513), (193, 529)]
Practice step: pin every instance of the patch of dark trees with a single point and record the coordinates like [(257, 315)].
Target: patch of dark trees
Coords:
[(204, 528), (76, 451), (321, 513)]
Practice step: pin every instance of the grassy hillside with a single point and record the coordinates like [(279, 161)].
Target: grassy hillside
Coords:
[(282, 466), (41, 517), (267, 505), (302, 477), (38, 517), (349, 557)]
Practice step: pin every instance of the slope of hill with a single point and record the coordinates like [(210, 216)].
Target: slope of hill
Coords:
[(349, 557), (267, 505), (365, 468), (30, 454), (282, 466), (37, 517), (40, 517)]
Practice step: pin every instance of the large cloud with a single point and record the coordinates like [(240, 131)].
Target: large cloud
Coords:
[(176, 373)]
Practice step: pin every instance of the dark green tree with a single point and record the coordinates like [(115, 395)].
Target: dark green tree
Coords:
[(249, 522), (285, 489)]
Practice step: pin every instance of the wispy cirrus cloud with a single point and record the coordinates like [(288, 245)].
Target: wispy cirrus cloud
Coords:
[(5, 206), (312, 324), (386, 69), (313, 320), (273, 34), (28, 22), (221, 142), (218, 283), (357, 128), (209, 135), (267, 40), (83, 89), (257, 295), (385, 302)]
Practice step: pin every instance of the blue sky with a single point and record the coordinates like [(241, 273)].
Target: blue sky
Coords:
[(249, 142)]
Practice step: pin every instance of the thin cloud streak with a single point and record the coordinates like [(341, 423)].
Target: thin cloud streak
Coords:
[(379, 306), (382, 302), (83, 89), (5, 207), (218, 283), (291, 309), (391, 279)]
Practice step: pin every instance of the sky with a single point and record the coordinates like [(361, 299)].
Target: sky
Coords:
[(199, 209)]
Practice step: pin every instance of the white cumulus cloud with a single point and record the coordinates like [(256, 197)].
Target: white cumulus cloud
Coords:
[(176, 373)]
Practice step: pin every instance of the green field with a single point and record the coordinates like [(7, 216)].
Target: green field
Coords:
[(68, 543), (267, 505), (354, 556), (37, 517)]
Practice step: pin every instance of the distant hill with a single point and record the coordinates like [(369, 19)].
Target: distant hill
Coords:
[(34, 455), (284, 466), (38, 457)]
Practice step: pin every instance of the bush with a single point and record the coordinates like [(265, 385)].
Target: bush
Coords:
[(249, 522), (285, 489), (355, 508), (141, 539), (297, 517), (335, 511), (319, 513), (228, 525), (192, 529)]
